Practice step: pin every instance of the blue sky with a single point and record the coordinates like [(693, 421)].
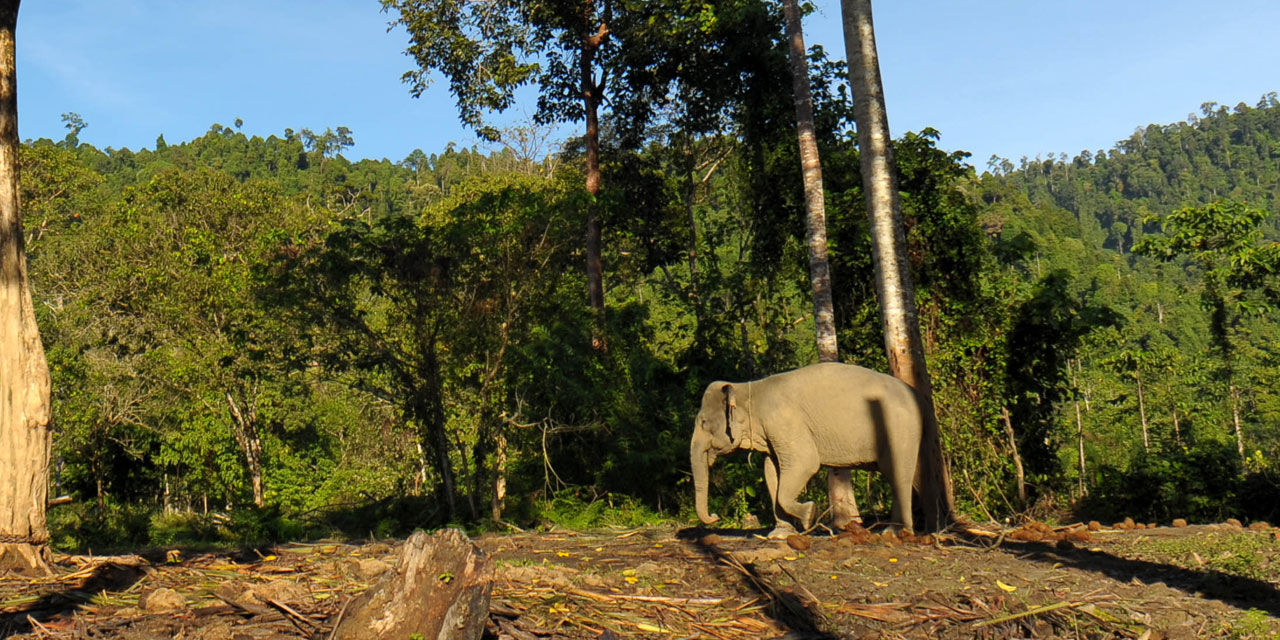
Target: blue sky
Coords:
[(1007, 77)]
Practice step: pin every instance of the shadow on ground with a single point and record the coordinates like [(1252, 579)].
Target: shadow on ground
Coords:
[(1236, 591), (109, 577), (785, 607)]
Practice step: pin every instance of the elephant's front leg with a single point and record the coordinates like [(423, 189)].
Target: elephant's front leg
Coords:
[(794, 472), (782, 528), (844, 506)]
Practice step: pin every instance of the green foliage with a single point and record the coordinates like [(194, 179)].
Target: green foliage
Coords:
[(186, 528), (570, 509), (1225, 239), (1254, 623), (1201, 485), (91, 526)]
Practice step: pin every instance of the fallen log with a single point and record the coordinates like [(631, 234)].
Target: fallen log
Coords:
[(439, 590)]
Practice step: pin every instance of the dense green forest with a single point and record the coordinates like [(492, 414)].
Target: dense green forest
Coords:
[(253, 338)]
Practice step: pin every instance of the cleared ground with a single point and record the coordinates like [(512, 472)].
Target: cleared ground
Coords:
[(1035, 582)]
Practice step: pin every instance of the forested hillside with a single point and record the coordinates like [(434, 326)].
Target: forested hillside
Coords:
[(1174, 230), (263, 338)]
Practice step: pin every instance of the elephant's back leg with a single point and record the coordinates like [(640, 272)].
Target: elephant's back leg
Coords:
[(844, 506), (898, 464)]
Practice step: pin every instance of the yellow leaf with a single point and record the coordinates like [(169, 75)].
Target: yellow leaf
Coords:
[(893, 559), (269, 558), (563, 554), (632, 579), (657, 545), (879, 584), (645, 626), (1007, 587), (599, 549), (1057, 565), (788, 557), (834, 578), (628, 572)]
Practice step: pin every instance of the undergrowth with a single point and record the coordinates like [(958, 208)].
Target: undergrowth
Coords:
[(77, 528)]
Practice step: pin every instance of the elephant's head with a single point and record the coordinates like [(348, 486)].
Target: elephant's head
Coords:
[(717, 430)]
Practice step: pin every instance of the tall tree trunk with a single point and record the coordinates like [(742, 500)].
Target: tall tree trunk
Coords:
[(244, 426), (1142, 414), (889, 246), (1075, 388), (24, 372), (591, 99), (498, 501), (431, 414), (1017, 457), (428, 408), (691, 253), (1235, 418), (814, 202), (1085, 391), (1177, 433), (1084, 491)]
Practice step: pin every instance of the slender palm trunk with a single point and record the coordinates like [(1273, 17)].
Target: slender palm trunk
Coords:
[(814, 202), (894, 287), (1142, 415), (24, 372)]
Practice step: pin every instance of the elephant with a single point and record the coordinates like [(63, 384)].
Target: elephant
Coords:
[(830, 414)]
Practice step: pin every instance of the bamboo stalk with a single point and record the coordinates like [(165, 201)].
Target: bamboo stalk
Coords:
[(1028, 613), (607, 597)]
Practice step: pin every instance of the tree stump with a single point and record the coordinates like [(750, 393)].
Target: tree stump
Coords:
[(439, 590)]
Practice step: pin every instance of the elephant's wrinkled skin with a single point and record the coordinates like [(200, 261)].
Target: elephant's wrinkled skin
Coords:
[(828, 414)]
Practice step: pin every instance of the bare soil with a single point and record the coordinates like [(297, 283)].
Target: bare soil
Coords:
[(1034, 582)]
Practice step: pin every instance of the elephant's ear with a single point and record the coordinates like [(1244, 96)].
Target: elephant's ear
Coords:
[(730, 399), (730, 403)]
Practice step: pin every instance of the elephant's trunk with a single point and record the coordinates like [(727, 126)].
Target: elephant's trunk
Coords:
[(701, 458)]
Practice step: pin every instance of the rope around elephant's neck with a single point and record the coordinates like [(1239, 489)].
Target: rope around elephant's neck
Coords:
[(751, 441)]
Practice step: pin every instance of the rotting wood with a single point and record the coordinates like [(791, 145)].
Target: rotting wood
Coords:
[(439, 590)]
